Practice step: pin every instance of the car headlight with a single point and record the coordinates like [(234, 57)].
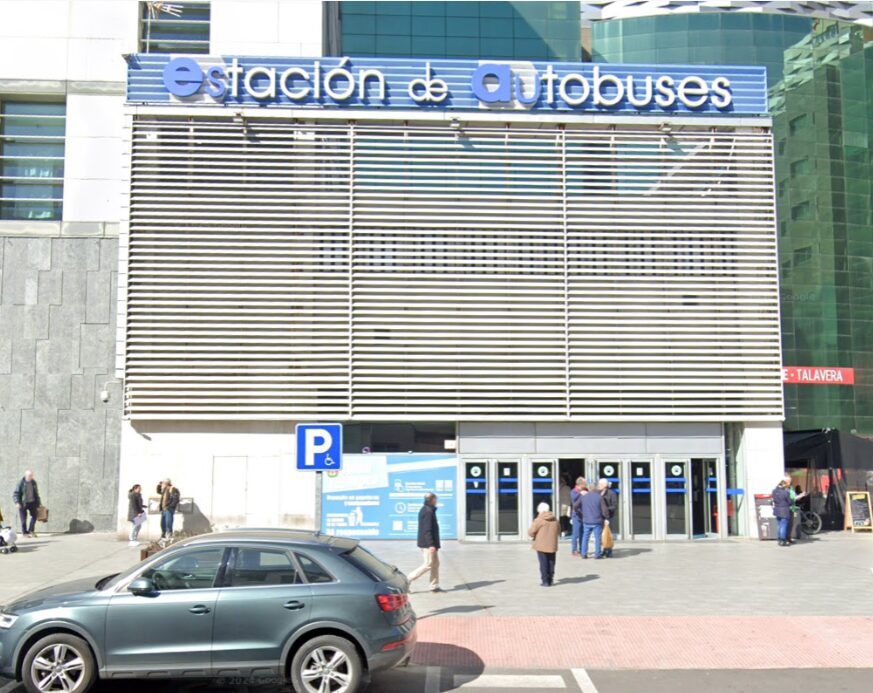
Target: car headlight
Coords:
[(6, 620)]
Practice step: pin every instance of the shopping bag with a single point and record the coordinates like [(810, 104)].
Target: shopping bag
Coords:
[(607, 541), (42, 513)]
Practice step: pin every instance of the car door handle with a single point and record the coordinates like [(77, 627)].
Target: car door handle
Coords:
[(293, 605), (199, 609)]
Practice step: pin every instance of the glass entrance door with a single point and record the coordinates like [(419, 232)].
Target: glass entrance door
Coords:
[(477, 480), (492, 501), (543, 486), (676, 498), (614, 472), (507, 499), (704, 497), (640, 499)]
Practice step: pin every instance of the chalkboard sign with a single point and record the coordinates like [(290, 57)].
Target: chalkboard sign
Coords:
[(858, 511)]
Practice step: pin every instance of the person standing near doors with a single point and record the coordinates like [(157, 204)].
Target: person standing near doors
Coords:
[(576, 516), (544, 531), (594, 511), (782, 509), (429, 543), (611, 501), (565, 504)]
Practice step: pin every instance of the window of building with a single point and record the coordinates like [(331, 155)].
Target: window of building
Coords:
[(32, 159), (178, 27), (397, 437)]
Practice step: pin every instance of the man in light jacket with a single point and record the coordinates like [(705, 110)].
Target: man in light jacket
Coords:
[(544, 531), (429, 542)]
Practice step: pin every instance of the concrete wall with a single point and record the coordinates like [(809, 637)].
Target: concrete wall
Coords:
[(762, 457), (238, 474), (56, 353), (591, 438), (266, 27)]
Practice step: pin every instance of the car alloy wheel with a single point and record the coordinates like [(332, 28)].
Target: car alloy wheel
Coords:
[(327, 664), (59, 662)]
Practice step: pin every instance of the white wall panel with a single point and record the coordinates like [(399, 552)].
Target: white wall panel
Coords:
[(282, 269)]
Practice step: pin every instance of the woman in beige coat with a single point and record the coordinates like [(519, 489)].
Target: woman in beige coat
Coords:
[(545, 531)]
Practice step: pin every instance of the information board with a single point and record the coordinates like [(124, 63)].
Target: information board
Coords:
[(379, 496), (858, 511)]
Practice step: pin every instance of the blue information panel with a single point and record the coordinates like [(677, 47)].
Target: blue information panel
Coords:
[(379, 496), (319, 447)]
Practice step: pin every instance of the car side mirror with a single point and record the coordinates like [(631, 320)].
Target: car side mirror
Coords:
[(141, 586)]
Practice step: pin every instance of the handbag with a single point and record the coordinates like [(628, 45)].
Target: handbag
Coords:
[(42, 513), (139, 519), (607, 541)]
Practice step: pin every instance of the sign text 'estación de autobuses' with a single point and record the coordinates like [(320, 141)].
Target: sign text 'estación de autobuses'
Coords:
[(447, 85)]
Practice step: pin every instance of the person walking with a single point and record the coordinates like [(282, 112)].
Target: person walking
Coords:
[(611, 500), (576, 516), (565, 504), (782, 509), (169, 502), (26, 499), (429, 543), (135, 513), (593, 510), (544, 531)]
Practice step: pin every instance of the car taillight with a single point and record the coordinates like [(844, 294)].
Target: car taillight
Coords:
[(392, 602)]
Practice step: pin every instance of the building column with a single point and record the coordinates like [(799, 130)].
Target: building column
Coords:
[(761, 457)]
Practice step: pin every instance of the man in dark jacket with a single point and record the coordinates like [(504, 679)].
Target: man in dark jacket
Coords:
[(594, 512), (429, 543), (26, 499), (782, 509), (169, 502)]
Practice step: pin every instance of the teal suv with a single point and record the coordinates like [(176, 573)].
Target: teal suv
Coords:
[(319, 611)]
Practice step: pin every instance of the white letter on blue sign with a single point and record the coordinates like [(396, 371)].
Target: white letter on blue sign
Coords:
[(310, 435)]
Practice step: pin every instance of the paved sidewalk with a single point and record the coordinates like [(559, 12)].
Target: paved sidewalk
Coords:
[(736, 604)]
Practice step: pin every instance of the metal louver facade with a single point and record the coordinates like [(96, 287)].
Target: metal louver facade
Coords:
[(288, 269)]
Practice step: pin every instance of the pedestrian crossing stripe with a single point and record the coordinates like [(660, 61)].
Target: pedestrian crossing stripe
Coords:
[(532, 681)]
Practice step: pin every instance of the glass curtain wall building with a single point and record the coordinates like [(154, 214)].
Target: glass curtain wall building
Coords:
[(473, 30), (820, 72)]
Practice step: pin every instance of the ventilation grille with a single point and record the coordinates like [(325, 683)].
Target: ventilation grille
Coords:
[(284, 270)]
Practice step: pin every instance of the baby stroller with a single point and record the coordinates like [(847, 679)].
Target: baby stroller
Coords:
[(7, 540)]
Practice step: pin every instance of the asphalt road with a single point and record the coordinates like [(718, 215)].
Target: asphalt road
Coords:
[(438, 680)]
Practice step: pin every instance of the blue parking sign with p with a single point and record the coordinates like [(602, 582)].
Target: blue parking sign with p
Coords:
[(319, 446)]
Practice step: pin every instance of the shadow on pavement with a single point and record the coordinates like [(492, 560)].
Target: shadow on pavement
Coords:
[(30, 545), (446, 655), (576, 580), (476, 585), (461, 609), (627, 553)]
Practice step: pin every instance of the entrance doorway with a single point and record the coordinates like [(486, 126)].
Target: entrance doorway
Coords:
[(691, 498), (492, 501)]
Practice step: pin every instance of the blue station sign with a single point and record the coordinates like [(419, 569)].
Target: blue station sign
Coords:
[(446, 85)]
